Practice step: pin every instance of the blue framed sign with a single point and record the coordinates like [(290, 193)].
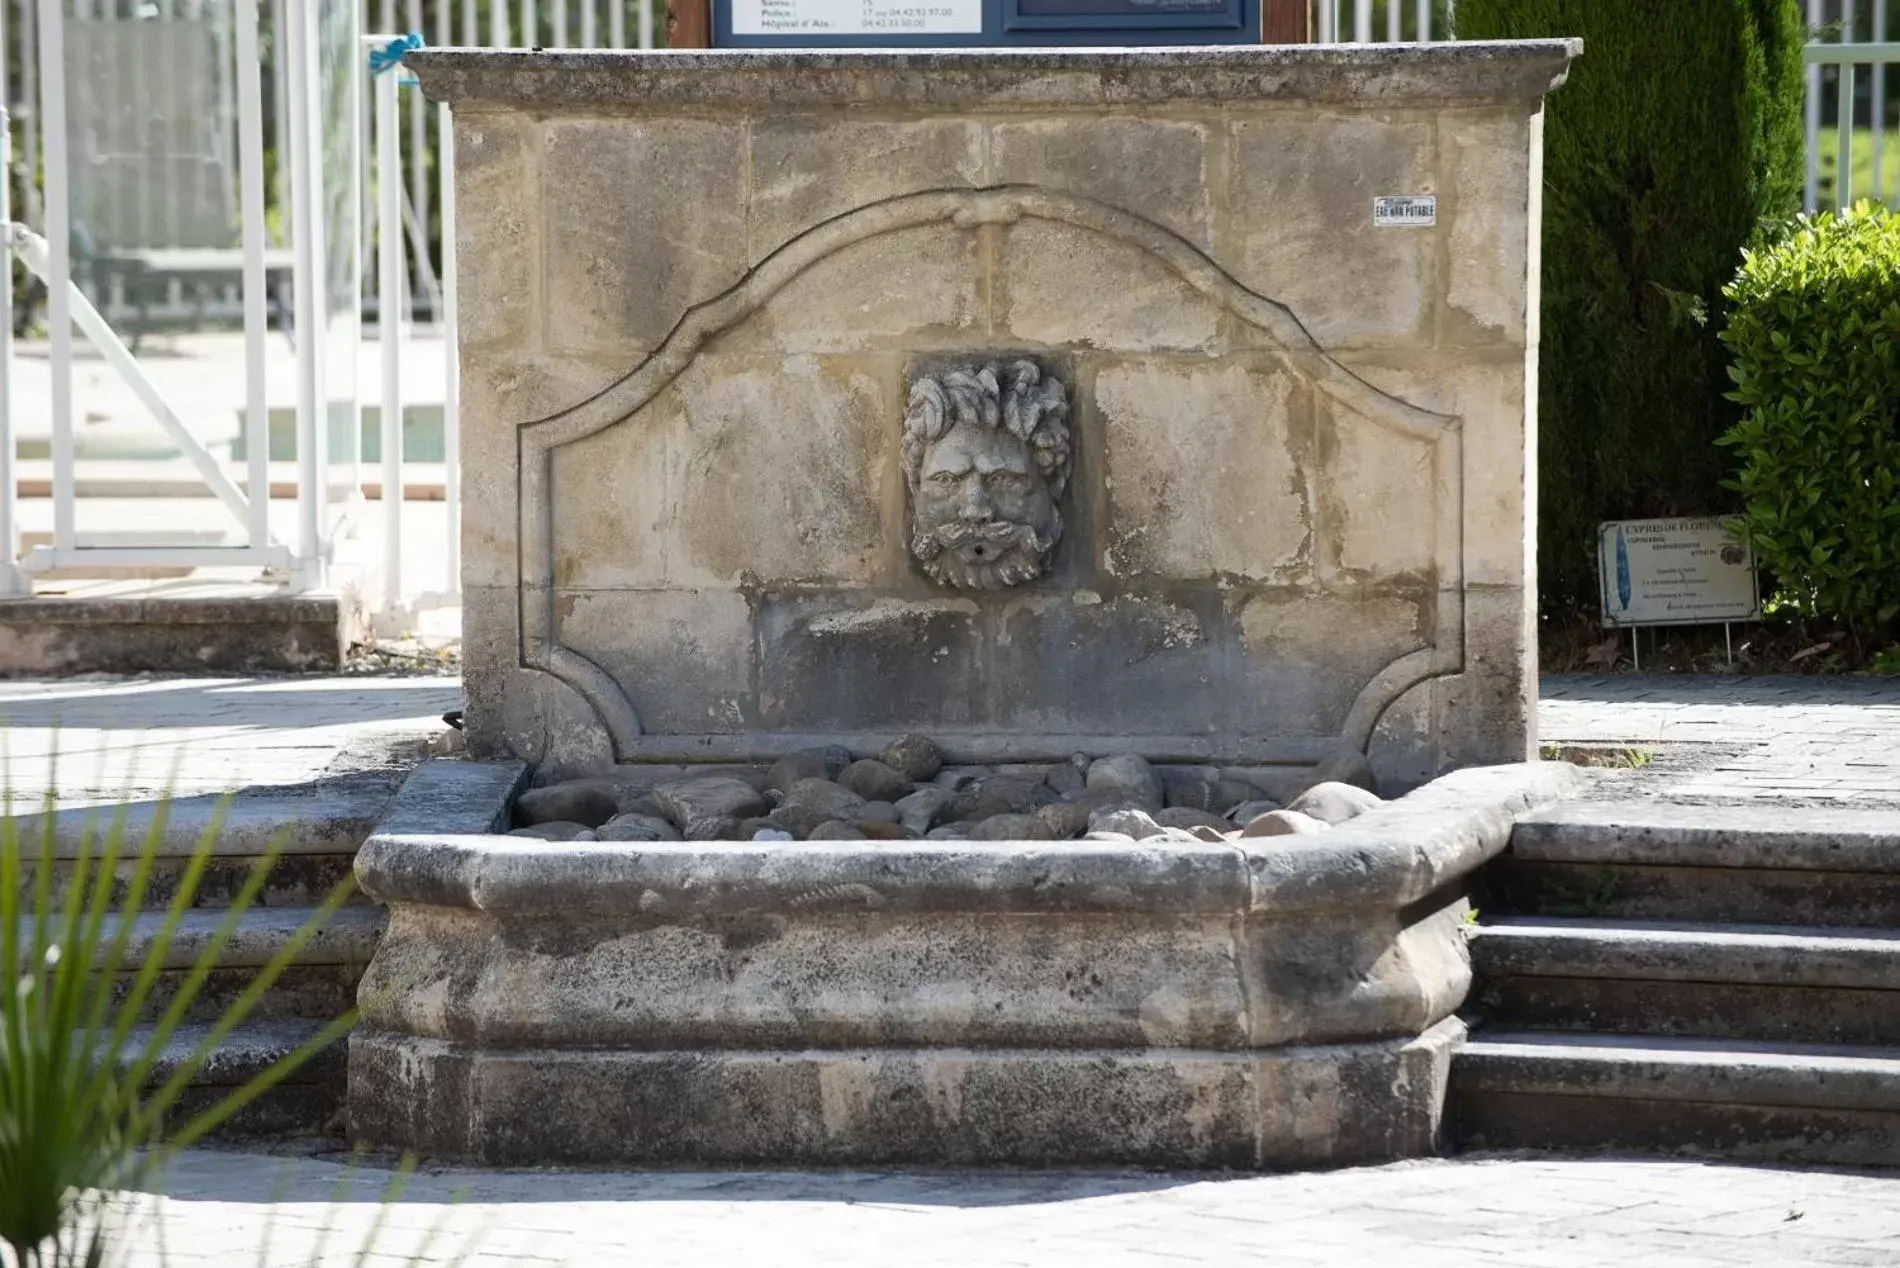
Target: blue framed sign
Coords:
[(981, 23)]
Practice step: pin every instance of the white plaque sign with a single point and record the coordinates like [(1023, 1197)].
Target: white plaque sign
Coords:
[(857, 17), (1675, 572), (1408, 211)]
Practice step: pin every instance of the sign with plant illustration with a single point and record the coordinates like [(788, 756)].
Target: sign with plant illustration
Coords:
[(1676, 572)]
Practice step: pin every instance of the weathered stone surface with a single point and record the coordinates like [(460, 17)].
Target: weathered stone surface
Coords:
[(688, 802), (810, 802), (882, 811), (1065, 819), (1280, 823), (811, 763), (1348, 766), (957, 778), (556, 831), (837, 830), (874, 781), (1134, 823), (1192, 787), (716, 828), (920, 809), (576, 801), (687, 415), (915, 757), (651, 220), (639, 827), (1011, 827), (1127, 775), (1186, 817), (1070, 776), (772, 834), (1247, 811), (885, 830), (985, 478), (1229, 793), (1334, 803)]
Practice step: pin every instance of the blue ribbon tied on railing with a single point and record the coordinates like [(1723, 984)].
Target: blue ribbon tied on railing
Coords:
[(390, 55)]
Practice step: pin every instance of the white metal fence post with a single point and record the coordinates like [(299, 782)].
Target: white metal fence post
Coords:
[(313, 390), (250, 94), (12, 580), (1877, 89), (59, 266), (389, 324), (1812, 116)]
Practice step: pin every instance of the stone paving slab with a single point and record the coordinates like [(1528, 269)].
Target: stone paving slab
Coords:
[(1478, 1210), (1740, 741)]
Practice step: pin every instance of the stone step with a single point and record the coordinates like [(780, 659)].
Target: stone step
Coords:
[(320, 833), (1767, 982), (51, 635), (1751, 865), (1789, 1103), (309, 1101), (319, 983)]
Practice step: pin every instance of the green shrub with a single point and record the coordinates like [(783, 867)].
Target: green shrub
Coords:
[(1678, 132), (1815, 334)]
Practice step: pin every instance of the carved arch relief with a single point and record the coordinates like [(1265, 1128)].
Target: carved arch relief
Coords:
[(969, 209)]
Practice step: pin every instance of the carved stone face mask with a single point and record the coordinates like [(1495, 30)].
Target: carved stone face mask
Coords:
[(986, 455)]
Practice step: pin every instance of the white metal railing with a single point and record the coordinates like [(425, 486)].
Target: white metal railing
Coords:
[(276, 90), (1373, 21), (1847, 56)]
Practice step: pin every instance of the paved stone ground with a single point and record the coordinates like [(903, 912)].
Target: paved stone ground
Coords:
[(1515, 1212), (1823, 741), (98, 740), (1815, 741)]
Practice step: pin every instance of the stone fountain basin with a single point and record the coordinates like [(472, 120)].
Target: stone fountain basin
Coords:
[(1267, 1002)]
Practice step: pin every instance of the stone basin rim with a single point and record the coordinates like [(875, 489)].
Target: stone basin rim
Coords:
[(1387, 858), (622, 80)]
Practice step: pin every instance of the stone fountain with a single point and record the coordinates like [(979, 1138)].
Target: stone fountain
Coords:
[(1174, 404)]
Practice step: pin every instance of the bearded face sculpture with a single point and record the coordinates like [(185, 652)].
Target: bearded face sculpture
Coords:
[(986, 457)]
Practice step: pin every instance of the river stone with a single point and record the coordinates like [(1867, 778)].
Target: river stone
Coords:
[(949, 832), (688, 802), (1119, 838), (1334, 803), (644, 804), (1178, 834), (807, 763), (920, 809), (556, 831), (773, 834), (1024, 796), (1069, 777), (717, 828), (1191, 787), (957, 778), (581, 801), (811, 802), (1134, 823), (975, 803), (1247, 811), (1229, 793), (1128, 774), (915, 757), (1065, 819), (640, 828), (1182, 817), (874, 781), (1011, 827), (882, 811), (836, 830), (883, 830), (1213, 836), (1282, 823)]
